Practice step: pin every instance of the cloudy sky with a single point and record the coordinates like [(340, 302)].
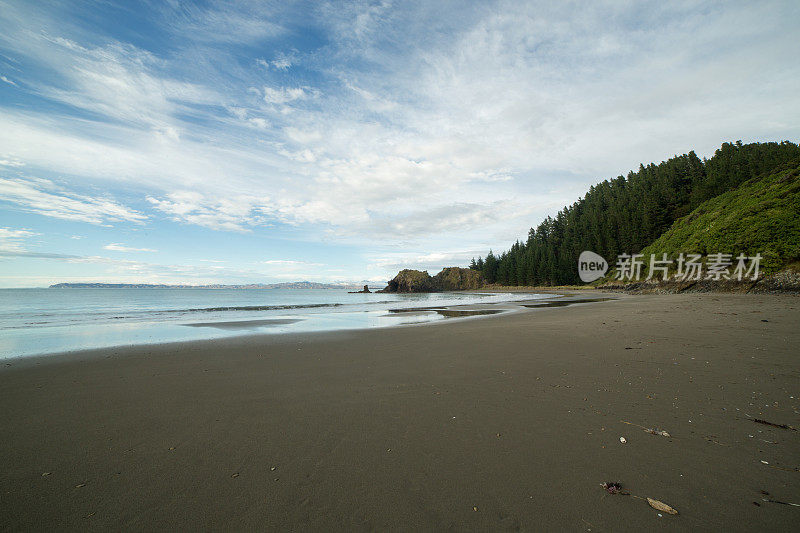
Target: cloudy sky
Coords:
[(272, 141)]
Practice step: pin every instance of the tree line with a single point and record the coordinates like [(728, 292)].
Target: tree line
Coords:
[(625, 214)]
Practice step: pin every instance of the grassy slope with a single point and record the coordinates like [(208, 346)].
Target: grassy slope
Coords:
[(761, 215)]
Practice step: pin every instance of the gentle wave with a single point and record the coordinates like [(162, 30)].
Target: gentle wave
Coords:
[(45, 314), (150, 313), (160, 312), (251, 308)]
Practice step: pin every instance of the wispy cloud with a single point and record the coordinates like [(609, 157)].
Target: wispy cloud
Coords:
[(228, 214), (284, 95), (119, 247), (44, 197), (224, 22), (296, 270), (12, 240), (121, 82), (42, 255), (289, 262), (432, 262), (11, 163)]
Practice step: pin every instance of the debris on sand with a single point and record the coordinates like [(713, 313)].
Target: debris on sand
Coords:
[(661, 506), (612, 487), (773, 424), (771, 500), (652, 431)]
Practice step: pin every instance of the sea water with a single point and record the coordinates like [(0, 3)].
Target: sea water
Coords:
[(40, 321)]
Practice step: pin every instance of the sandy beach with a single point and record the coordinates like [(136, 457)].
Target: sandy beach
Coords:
[(504, 422)]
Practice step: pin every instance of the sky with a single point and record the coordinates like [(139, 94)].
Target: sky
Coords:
[(259, 142)]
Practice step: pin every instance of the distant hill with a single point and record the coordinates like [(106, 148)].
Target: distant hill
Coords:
[(286, 285), (762, 215)]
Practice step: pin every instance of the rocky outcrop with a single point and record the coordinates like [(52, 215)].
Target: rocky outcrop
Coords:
[(411, 281), (365, 290), (449, 279), (458, 279)]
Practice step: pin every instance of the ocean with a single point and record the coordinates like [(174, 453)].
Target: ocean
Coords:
[(42, 321)]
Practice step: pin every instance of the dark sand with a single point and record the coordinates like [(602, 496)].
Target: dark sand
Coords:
[(503, 422)]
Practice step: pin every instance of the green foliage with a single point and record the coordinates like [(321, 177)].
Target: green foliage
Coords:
[(760, 216), (626, 214)]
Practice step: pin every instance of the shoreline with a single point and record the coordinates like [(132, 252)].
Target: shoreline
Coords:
[(507, 422), (246, 327)]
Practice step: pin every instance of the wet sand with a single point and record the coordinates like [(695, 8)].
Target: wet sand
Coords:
[(245, 324), (504, 422)]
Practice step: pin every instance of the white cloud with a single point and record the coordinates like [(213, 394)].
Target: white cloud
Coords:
[(223, 22), (445, 218), (11, 163), (44, 197), (122, 82), (301, 136), (288, 262), (373, 101), (243, 115), (432, 262), (281, 62), (284, 95), (295, 270), (12, 240), (227, 214), (119, 247), (119, 155), (258, 122)]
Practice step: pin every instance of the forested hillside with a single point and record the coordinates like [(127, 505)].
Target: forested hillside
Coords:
[(626, 214), (760, 216)]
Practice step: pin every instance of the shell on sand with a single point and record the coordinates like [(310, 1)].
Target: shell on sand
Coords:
[(661, 506)]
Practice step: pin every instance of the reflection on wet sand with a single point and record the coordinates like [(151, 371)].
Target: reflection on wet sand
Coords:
[(449, 313), (245, 324), (564, 303)]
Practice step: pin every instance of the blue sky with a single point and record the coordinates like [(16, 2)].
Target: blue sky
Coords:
[(242, 142)]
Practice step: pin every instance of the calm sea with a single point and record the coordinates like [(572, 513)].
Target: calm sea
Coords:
[(39, 321)]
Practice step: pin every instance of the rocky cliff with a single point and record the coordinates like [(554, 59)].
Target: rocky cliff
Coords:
[(458, 279), (449, 279), (410, 281)]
